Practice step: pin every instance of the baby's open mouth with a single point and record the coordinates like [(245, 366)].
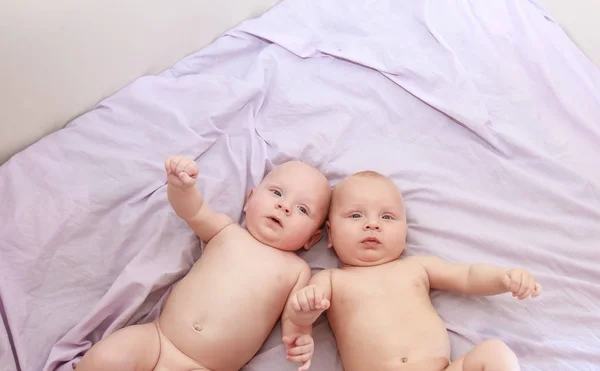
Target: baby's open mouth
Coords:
[(274, 219)]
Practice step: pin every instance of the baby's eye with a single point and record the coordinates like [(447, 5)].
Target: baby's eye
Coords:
[(355, 216), (303, 210), (276, 192), (387, 217)]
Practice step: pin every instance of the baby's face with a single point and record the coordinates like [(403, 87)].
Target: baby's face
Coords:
[(367, 224), (288, 208)]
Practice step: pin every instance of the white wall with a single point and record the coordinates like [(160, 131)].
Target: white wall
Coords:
[(58, 58), (581, 21)]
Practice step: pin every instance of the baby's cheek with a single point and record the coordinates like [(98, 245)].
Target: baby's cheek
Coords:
[(302, 228), (338, 237)]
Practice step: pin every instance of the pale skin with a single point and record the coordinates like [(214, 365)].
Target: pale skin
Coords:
[(378, 304), (218, 316)]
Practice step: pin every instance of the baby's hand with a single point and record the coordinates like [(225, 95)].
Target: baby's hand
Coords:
[(299, 350), (521, 284), (310, 298), (181, 171)]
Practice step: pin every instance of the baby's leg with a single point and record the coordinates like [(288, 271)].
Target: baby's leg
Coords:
[(490, 355), (133, 348)]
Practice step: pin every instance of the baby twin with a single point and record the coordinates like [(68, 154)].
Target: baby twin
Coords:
[(218, 316)]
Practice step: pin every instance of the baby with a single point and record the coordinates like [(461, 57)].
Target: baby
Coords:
[(378, 305), (218, 316)]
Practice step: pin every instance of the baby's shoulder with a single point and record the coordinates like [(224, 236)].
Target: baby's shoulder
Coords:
[(293, 264), (330, 272), (409, 260), (414, 259), (412, 265), (339, 277), (230, 232)]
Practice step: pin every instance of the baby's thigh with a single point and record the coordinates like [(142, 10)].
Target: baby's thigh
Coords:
[(133, 348), (489, 355)]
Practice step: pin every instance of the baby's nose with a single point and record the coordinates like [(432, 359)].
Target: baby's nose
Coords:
[(283, 208), (372, 226)]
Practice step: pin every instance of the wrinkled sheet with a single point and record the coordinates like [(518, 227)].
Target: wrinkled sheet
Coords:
[(484, 113)]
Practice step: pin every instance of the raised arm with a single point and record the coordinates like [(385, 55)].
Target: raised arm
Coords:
[(479, 279), (304, 305), (188, 203)]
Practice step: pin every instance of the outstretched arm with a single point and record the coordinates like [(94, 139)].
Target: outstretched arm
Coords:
[(479, 279), (188, 203), (304, 305)]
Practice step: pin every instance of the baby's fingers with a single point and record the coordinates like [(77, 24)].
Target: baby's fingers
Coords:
[(304, 366), (168, 164), (528, 293), (295, 304), (526, 287), (515, 283), (310, 297), (182, 163), (323, 305), (192, 170), (186, 179), (537, 291), (304, 340), (319, 294), (300, 358), (299, 350), (303, 301)]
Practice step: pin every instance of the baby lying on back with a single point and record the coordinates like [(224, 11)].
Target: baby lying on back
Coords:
[(218, 316), (378, 305)]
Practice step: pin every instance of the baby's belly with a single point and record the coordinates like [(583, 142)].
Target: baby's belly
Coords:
[(221, 320), (213, 346), (390, 340)]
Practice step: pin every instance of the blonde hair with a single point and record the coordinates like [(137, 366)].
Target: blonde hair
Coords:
[(369, 174), (364, 174)]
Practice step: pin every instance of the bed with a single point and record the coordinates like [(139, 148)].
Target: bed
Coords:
[(485, 114)]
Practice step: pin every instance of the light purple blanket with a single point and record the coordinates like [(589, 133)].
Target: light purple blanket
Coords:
[(484, 113)]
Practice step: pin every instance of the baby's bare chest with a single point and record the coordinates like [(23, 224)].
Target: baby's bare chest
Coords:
[(236, 259), (377, 292)]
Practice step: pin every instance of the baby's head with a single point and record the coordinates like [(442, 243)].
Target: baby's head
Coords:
[(367, 222), (289, 206)]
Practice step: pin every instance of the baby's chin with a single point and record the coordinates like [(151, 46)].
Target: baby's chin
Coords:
[(285, 246), (279, 244), (367, 261)]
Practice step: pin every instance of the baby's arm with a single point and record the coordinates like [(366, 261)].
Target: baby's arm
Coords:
[(304, 305), (188, 203), (479, 279), (299, 345), (307, 304)]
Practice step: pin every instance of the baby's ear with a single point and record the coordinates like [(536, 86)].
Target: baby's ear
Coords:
[(328, 227), (248, 199), (314, 239)]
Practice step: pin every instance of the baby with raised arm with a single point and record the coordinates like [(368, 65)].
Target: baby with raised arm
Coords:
[(378, 305), (218, 316)]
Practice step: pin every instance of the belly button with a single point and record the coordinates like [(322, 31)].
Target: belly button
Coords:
[(197, 327), (404, 360)]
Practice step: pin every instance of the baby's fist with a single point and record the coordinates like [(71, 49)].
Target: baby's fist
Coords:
[(299, 350), (310, 298), (181, 171), (521, 284)]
